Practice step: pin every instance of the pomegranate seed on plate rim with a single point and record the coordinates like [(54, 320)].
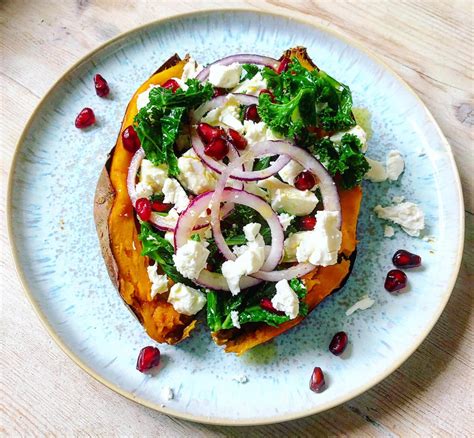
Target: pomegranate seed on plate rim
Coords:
[(85, 118), (338, 343), (148, 358), (101, 86), (405, 259), (317, 383), (395, 280)]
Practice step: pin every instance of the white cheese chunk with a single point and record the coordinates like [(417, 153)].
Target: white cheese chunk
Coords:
[(169, 220), (395, 165), (169, 236), (225, 76), (194, 176), (167, 393), (191, 258), (407, 214), (185, 299), (143, 190), (159, 283), (291, 243), (290, 171), (322, 246), (153, 175), (190, 70), (257, 132), (251, 86), (144, 97), (363, 304), (286, 300), (228, 114), (234, 316), (175, 194), (357, 131), (388, 231), (251, 231), (377, 172), (285, 220)]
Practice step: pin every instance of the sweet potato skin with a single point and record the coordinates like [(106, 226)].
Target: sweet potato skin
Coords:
[(118, 232)]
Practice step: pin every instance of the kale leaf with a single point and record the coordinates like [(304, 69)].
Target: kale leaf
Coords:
[(250, 71)]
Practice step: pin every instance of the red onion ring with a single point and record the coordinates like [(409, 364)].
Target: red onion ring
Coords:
[(218, 101), (241, 59)]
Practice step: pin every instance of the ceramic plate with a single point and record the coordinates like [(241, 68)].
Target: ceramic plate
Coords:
[(52, 185)]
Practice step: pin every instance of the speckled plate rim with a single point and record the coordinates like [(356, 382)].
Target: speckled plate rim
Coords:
[(216, 420)]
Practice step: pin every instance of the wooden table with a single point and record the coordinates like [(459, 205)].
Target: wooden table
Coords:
[(428, 43)]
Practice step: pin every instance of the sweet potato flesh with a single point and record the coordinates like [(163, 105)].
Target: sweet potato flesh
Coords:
[(159, 318)]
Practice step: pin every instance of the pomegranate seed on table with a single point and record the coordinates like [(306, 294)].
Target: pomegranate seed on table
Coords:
[(405, 259), (130, 139), (266, 304), (305, 181), (85, 118), (171, 84), (101, 86), (338, 343), (209, 133), (395, 280), (283, 66), (149, 357), (308, 223), (251, 113), (317, 383), (217, 149), (239, 141), (267, 91), (160, 206), (143, 208)]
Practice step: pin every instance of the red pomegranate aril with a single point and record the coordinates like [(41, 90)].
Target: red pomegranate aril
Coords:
[(267, 91), (266, 304), (171, 84), (208, 211), (305, 181), (338, 343), (148, 358), (219, 92), (308, 223), (85, 118), (395, 280), (239, 141), (251, 113), (209, 133), (405, 259), (101, 86), (317, 383), (217, 149), (283, 66), (143, 207), (160, 206), (130, 139)]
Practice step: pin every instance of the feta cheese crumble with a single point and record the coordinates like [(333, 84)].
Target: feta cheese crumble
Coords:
[(191, 69), (395, 165), (251, 86), (322, 244), (241, 379), (228, 114), (167, 393), (290, 171), (225, 76), (357, 131), (286, 299), (388, 231), (285, 220), (376, 172), (363, 304), (407, 214), (159, 283), (144, 98), (194, 176), (152, 175), (143, 190), (191, 259), (185, 299), (257, 132), (291, 243), (234, 316), (175, 194)]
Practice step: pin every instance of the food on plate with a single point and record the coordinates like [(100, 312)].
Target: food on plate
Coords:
[(232, 190)]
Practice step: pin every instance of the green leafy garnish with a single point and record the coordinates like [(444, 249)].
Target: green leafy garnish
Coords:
[(250, 71), (158, 124)]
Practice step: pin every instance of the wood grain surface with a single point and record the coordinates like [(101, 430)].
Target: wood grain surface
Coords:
[(429, 43)]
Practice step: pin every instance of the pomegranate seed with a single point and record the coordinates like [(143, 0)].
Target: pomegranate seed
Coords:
[(143, 207), (208, 211), (209, 133), (266, 304), (305, 181), (160, 206), (338, 343), (395, 280), (148, 358), (283, 66), (267, 91), (237, 140), (101, 86), (308, 223), (85, 118), (317, 383), (219, 92), (130, 139), (217, 149), (405, 259), (171, 84), (251, 113)]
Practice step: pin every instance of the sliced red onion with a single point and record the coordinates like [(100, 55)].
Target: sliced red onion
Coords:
[(216, 102), (241, 59), (296, 271), (132, 174)]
